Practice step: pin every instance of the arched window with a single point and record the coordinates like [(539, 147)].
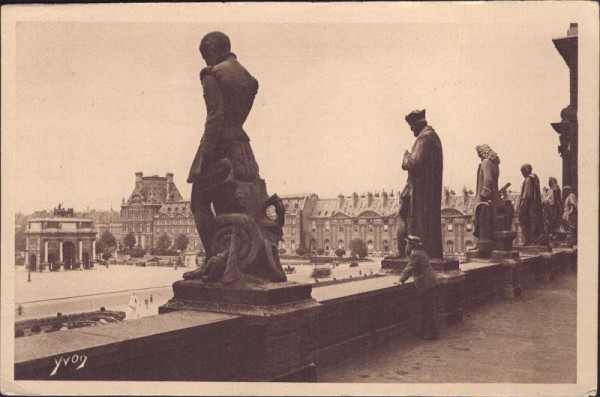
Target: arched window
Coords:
[(326, 243), (469, 225), (449, 246), (468, 244), (340, 243), (370, 245), (386, 245)]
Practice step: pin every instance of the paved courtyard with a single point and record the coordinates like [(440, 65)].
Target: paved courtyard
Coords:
[(531, 339), (77, 291)]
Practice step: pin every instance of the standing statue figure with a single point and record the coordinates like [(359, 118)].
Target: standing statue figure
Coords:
[(530, 209), (552, 208), (423, 192), (240, 238), (569, 218), (486, 199)]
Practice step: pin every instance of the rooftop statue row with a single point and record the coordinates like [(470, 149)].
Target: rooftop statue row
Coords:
[(240, 224)]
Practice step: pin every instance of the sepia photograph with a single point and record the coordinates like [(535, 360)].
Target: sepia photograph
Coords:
[(390, 198)]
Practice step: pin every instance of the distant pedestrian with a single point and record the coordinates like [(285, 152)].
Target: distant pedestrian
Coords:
[(151, 298), (132, 309), (426, 283), (146, 302)]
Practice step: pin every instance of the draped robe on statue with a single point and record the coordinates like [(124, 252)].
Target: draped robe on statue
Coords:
[(486, 201), (424, 189), (530, 211)]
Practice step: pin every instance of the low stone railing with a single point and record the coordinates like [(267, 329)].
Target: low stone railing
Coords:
[(205, 346)]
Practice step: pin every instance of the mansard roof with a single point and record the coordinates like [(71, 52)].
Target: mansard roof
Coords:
[(153, 190), (175, 209), (370, 205)]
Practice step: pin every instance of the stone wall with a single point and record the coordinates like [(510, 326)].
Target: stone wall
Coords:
[(204, 346)]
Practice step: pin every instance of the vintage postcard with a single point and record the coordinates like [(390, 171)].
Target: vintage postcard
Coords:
[(392, 198)]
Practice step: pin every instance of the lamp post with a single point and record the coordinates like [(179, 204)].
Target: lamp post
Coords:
[(28, 274)]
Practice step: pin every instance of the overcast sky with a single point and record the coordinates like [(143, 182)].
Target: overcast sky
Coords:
[(98, 101)]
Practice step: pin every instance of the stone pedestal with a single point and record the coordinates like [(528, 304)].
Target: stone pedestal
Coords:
[(546, 269), (450, 311), (533, 249), (397, 265), (280, 319), (513, 278)]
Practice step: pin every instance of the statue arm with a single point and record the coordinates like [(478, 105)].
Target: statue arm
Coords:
[(215, 113), (416, 159)]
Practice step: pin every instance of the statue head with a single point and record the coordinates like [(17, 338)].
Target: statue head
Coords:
[(526, 170), (214, 47), (485, 152), (416, 120), (553, 183)]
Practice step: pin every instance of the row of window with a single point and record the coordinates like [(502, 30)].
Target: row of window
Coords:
[(177, 221), (355, 228), (136, 227), (130, 214), (176, 230), (468, 226)]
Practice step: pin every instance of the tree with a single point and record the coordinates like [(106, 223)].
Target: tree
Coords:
[(20, 240), (282, 251), (99, 247), (129, 240), (181, 242), (320, 251), (107, 240), (358, 248), (340, 252), (300, 251), (163, 243)]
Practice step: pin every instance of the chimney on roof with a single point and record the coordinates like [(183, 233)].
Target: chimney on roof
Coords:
[(138, 178), (355, 199), (384, 196), (369, 199), (169, 182), (340, 200), (572, 30)]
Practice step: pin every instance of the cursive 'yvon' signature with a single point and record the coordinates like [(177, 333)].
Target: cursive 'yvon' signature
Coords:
[(75, 359)]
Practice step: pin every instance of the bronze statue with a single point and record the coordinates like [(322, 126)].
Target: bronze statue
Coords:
[(552, 208), (530, 209), (569, 218), (486, 199), (240, 238), (421, 198)]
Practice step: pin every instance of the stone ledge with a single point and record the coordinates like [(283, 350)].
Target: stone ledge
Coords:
[(106, 345)]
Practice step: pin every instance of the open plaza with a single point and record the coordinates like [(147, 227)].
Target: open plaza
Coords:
[(371, 199)]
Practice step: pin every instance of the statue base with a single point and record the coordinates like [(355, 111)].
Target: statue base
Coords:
[(396, 265), (278, 321), (533, 249), (254, 299)]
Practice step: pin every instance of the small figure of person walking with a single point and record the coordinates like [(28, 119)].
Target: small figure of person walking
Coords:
[(426, 283), (132, 309)]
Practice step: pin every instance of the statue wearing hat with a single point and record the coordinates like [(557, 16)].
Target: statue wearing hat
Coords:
[(421, 198), (426, 284)]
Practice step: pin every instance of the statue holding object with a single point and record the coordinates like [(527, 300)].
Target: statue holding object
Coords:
[(240, 237)]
